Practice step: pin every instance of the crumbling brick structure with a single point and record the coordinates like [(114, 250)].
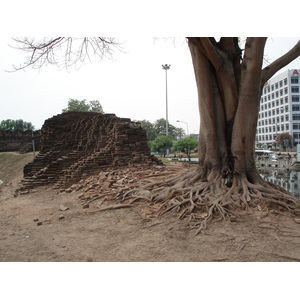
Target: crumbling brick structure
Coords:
[(75, 145), (21, 141)]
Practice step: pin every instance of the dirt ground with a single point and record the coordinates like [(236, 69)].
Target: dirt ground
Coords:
[(47, 226)]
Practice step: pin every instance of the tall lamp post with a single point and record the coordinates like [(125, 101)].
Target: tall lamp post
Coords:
[(187, 127), (166, 68)]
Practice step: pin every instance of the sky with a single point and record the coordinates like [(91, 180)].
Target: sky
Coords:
[(132, 85)]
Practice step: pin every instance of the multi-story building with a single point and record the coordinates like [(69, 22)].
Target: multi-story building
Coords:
[(279, 108)]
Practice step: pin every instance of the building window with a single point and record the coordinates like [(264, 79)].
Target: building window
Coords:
[(295, 98), (285, 81), (281, 92), (294, 80), (286, 99), (286, 117), (296, 126), (286, 90), (295, 107), (295, 89), (286, 126), (280, 83), (296, 117)]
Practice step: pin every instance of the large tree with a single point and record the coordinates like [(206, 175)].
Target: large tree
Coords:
[(229, 81)]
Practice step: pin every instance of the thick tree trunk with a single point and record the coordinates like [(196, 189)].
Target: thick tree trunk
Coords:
[(228, 94)]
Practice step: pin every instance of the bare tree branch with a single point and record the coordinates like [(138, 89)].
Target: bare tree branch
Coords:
[(279, 63), (64, 51)]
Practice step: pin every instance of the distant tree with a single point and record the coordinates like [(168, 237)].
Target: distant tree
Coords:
[(7, 124), (284, 140), (16, 125), (185, 145), (160, 128), (95, 106), (161, 144), (23, 126), (82, 105)]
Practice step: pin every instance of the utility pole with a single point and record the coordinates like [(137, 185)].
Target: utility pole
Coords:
[(166, 68)]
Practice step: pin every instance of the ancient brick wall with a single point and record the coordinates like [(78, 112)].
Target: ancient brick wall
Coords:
[(19, 140), (76, 144)]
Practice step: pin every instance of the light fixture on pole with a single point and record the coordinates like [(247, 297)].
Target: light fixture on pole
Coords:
[(187, 127), (166, 68)]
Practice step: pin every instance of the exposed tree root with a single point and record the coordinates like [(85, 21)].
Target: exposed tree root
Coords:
[(200, 200)]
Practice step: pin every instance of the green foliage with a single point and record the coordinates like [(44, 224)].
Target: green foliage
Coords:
[(161, 144), (82, 105), (159, 128), (185, 145), (16, 125)]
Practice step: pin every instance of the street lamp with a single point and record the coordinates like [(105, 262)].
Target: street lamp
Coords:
[(187, 127), (166, 68)]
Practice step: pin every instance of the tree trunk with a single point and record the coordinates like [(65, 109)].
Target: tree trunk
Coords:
[(228, 95)]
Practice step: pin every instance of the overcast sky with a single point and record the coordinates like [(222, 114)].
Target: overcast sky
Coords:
[(131, 86)]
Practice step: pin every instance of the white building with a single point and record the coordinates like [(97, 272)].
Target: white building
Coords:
[(279, 108)]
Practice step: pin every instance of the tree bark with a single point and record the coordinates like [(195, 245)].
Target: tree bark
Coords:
[(228, 93)]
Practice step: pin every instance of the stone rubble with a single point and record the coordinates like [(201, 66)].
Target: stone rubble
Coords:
[(108, 184)]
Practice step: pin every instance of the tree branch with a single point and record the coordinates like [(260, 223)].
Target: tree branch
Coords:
[(279, 63), (64, 51)]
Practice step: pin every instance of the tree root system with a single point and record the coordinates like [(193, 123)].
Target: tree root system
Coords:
[(201, 200)]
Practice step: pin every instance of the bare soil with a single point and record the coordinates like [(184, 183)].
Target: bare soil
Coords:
[(45, 225)]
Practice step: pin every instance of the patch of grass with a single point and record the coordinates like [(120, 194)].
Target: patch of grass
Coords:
[(12, 164)]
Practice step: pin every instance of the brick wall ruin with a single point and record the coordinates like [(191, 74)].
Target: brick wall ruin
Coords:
[(75, 145), (18, 140)]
